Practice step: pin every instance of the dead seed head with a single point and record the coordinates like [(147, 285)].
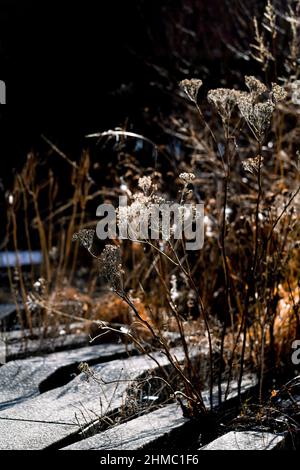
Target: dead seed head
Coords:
[(255, 86), (145, 183), (85, 238), (257, 115), (278, 92), (191, 87), (252, 164), (187, 177), (224, 100), (111, 267)]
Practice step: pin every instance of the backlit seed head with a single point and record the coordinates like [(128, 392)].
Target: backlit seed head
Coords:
[(252, 164), (187, 177), (224, 100), (191, 88), (278, 92), (255, 86), (145, 183)]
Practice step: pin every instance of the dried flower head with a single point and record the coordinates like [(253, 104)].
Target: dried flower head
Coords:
[(187, 177), (257, 106), (191, 88), (145, 183), (134, 219), (85, 238), (252, 164), (131, 216), (111, 267), (255, 86), (257, 115), (224, 101), (278, 93)]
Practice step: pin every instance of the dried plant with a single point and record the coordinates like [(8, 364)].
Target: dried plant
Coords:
[(252, 164), (224, 101), (256, 87), (278, 93), (85, 238), (239, 295), (191, 88), (187, 177), (111, 267), (270, 19), (261, 49)]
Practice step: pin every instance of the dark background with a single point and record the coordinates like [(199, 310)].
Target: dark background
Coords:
[(78, 67)]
